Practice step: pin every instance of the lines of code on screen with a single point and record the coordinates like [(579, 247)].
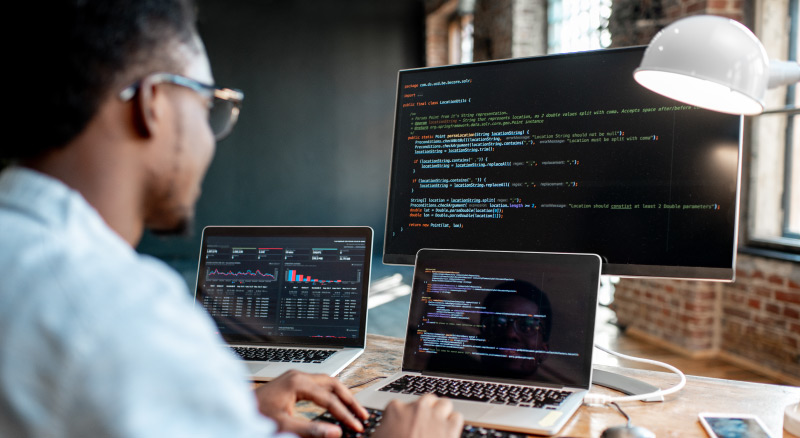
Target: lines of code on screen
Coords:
[(490, 315), (560, 153)]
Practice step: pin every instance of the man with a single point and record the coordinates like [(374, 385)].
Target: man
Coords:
[(95, 339), (520, 324)]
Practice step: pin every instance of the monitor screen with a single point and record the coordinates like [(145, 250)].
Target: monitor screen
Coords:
[(563, 153)]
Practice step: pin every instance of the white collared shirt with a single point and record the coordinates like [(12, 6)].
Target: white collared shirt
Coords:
[(97, 340)]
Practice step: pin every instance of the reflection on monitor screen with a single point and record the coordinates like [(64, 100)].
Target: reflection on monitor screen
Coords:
[(563, 153)]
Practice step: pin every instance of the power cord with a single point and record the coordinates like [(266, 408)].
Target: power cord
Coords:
[(602, 399)]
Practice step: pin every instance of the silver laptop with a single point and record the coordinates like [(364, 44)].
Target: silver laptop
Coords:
[(507, 336), (287, 298)]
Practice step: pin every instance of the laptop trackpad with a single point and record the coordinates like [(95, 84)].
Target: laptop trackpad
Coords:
[(255, 367), (511, 415), (470, 410)]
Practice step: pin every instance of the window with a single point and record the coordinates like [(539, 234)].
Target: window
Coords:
[(773, 218), (460, 30), (574, 25), (449, 32)]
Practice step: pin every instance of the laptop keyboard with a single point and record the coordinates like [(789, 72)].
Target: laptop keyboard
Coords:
[(270, 354), (495, 393), (374, 420)]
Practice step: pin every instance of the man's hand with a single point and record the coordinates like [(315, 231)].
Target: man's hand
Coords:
[(429, 416), (277, 398)]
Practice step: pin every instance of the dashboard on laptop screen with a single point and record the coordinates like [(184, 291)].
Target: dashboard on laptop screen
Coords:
[(285, 288)]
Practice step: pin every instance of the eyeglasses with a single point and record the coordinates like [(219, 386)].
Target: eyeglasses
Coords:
[(522, 324), (223, 103)]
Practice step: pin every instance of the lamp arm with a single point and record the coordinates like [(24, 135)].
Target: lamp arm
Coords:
[(783, 73)]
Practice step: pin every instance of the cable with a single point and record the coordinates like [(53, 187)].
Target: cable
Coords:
[(627, 417), (602, 399)]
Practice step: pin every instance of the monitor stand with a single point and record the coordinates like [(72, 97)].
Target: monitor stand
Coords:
[(626, 385)]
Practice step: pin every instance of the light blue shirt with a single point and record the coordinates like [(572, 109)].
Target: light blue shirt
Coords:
[(99, 341)]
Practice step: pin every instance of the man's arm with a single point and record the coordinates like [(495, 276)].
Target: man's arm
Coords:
[(427, 417)]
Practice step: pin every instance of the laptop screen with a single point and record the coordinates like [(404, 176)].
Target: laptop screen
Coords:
[(286, 285), (504, 315)]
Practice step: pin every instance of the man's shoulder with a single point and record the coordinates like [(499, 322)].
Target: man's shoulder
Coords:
[(58, 241), (91, 257), (78, 269)]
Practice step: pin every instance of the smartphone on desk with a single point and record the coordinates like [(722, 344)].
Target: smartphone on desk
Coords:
[(733, 426)]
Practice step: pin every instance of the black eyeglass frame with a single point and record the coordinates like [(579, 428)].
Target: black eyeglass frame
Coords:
[(229, 95)]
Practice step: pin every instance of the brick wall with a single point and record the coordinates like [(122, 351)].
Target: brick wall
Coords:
[(437, 18), (502, 29), (754, 321), (760, 314), (680, 312), (635, 22), (727, 8), (493, 29)]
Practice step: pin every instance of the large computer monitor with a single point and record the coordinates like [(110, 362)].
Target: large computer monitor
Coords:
[(563, 153)]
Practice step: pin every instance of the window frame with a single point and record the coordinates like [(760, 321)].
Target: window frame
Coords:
[(786, 245), (792, 118)]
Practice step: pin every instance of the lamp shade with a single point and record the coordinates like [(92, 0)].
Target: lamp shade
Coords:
[(707, 61)]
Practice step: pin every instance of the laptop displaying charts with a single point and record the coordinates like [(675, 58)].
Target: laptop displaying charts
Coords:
[(287, 297), (508, 336)]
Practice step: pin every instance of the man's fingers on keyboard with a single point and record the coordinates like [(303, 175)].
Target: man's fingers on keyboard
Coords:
[(350, 401), (321, 429), (342, 413), (310, 429), (345, 396), (332, 395)]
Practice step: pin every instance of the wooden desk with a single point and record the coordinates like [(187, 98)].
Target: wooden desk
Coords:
[(675, 417)]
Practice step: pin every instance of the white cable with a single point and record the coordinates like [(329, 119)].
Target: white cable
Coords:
[(603, 399)]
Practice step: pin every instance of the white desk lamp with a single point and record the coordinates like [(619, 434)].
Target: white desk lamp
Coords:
[(718, 64), (714, 63)]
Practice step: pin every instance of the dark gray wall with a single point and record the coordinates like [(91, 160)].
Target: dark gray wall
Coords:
[(313, 142)]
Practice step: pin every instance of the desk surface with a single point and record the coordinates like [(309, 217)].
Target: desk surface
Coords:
[(675, 417)]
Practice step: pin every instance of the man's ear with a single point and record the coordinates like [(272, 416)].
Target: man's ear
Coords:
[(147, 115)]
